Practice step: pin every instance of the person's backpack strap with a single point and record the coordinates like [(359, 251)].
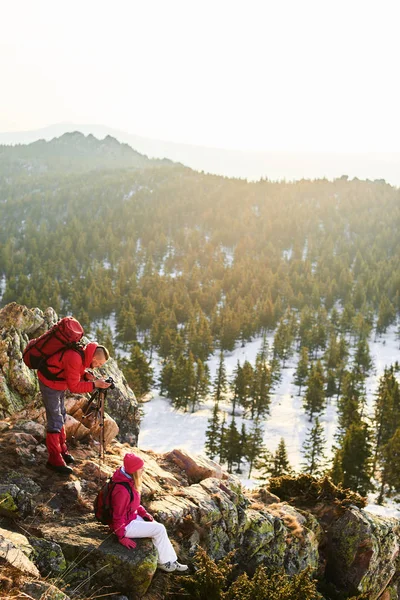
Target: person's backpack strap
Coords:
[(126, 486)]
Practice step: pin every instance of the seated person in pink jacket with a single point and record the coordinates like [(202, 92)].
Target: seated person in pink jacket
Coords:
[(131, 520)]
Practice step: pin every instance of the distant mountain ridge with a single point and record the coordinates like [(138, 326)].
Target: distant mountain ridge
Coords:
[(252, 165), (73, 151)]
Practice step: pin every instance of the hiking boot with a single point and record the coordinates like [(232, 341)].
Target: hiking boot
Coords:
[(168, 567), (62, 469), (179, 567), (68, 458)]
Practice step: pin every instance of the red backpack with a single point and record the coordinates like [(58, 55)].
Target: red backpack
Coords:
[(64, 335), (102, 504)]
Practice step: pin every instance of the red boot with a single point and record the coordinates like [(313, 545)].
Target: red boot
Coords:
[(64, 448), (56, 461)]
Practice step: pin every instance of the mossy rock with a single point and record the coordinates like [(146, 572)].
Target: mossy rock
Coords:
[(48, 557), (14, 502), (263, 540), (363, 550), (8, 505), (40, 590), (26, 484), (91, 547)]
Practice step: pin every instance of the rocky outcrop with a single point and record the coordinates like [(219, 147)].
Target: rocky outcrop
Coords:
[(47, 527), (19, 385), (351, 549)]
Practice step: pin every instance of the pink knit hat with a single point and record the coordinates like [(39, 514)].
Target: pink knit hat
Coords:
[(132, 463)]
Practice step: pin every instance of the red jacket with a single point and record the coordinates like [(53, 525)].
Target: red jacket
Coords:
[(123, 510), (72, 370)]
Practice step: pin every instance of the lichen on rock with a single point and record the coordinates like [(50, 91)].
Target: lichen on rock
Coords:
[(48, 557)]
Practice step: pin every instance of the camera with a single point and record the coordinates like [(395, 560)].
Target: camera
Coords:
[(110, 380)]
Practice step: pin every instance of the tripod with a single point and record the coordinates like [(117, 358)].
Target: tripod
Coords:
[(97, 409)]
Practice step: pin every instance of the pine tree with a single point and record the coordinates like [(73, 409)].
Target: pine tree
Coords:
[(281, 465), (356, 458), (314, 399), (200, 341), (387, 410), (232, 446), (104, 337), (386, 315), (362, 357), (138, 372), (245, 390), (319, 333), (202, 383), (166, 344), (254, 444), (335, 319), (126, 323), (332, 354), (350, 404), (191, 382), (182, 383), (242, 447), (213, 434), (283, 341), (265, 464), (220, 384), (313, 450), (305, 328), (331, 387), (347, 318), (166, 377), (222, 439), (260, 388), (336, 471), (302, 369), (236, 386), (390, 465), (230, 330)]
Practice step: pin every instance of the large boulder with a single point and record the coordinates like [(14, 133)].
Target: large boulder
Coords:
[(363, 552), (20, 317), (15, 551), (90, 544), (48, 557), (196, 467)]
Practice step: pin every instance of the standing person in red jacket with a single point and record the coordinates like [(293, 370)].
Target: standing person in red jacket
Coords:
[(69, 367), (131, 520)]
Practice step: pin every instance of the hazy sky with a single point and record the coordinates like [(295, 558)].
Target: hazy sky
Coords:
[(254, 74)]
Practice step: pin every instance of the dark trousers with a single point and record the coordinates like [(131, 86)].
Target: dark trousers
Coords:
[(53, 401)]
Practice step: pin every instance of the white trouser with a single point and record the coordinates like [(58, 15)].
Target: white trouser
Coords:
[(138, 528)]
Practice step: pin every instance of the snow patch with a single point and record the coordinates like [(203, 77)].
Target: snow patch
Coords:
[(2, 286)]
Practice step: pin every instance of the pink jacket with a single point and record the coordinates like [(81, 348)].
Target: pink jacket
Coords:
[(123, 510), (72, 370)]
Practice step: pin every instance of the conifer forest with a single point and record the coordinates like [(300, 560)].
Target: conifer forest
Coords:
[(190, 265)]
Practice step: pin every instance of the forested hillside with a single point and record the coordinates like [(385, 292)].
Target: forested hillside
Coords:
[(191, 263)]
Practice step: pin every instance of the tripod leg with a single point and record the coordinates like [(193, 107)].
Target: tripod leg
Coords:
[(103, 398)]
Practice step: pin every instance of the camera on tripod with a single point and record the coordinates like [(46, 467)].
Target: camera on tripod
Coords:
[(110, 380)]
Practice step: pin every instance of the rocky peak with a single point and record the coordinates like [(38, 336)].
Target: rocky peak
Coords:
[(73, 151)]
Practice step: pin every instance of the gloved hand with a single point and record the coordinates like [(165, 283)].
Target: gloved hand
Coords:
[(147, 517), (127, 542)]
